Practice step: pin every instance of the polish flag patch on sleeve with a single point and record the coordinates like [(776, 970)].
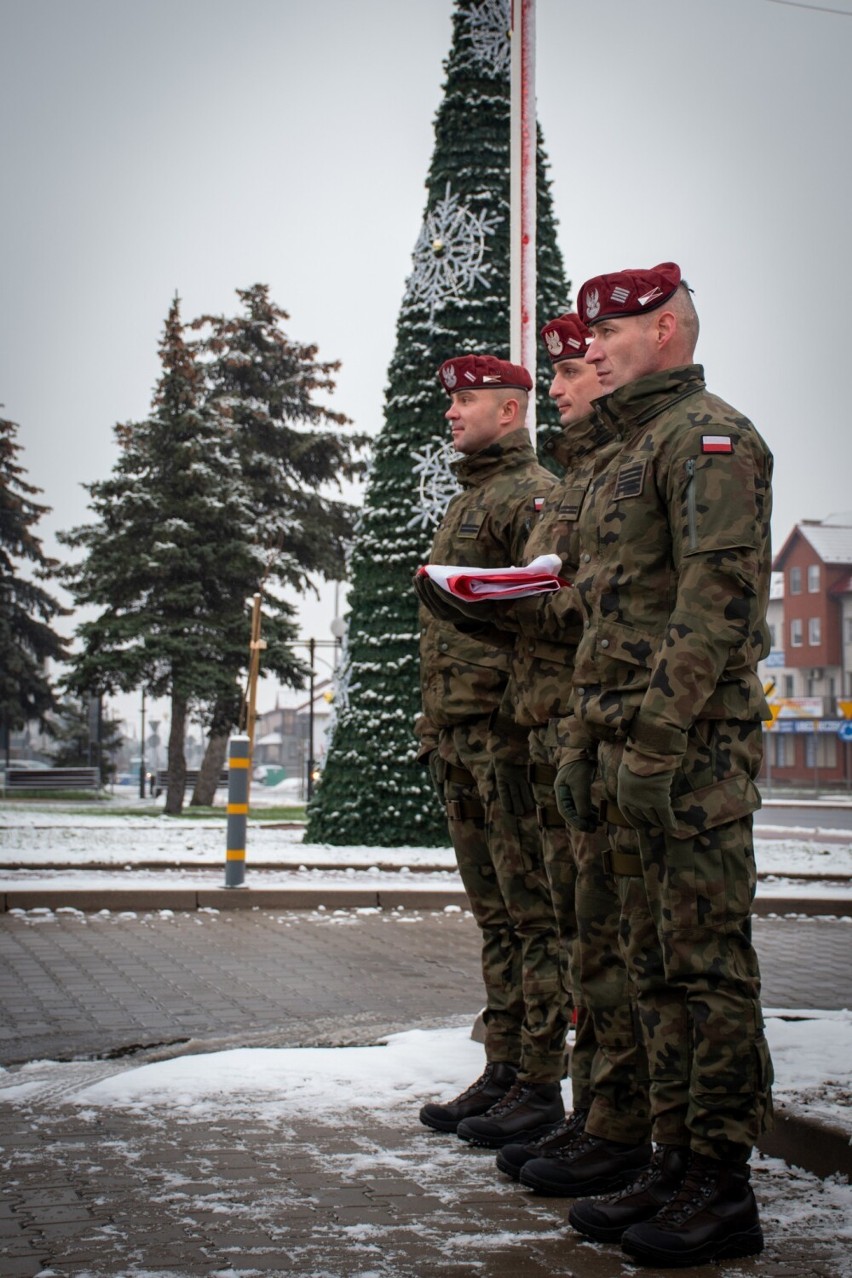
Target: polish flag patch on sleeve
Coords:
[(717, 444)]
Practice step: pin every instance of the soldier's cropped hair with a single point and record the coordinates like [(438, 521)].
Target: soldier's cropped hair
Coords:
[(687, 316)]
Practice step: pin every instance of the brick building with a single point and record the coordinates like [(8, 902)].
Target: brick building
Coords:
[(810, 621)]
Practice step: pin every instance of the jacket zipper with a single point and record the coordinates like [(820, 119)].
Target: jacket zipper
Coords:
[(691, 518)]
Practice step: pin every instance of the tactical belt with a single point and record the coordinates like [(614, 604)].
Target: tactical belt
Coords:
[(465, 810), (550, 818), (460, 775), (626, 863), (541, 773), (611, 813)]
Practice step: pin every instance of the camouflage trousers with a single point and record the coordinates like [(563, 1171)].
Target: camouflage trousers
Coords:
[(686, 938), (501, 865), (609, 1074)]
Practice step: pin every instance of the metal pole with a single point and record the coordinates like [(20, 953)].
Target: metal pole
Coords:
[(239, 767), (310, 785), (142, 754), (523, 145), (256, 646)]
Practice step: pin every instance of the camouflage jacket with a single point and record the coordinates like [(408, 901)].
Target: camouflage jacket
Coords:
[(674, 569), (485, 526), (549, 626)]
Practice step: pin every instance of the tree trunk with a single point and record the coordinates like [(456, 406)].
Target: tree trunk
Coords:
[(211, 766), (177, 757)]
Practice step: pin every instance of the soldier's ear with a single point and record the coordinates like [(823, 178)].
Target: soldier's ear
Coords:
[(666, 327), (511, 410)]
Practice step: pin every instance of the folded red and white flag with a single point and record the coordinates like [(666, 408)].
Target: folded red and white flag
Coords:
[(537, 578)]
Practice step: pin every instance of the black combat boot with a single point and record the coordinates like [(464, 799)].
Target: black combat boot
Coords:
[(511, 1158), (527, 1111), (713, 1216), (492, 1084), (605, 1219), (592, 1165)]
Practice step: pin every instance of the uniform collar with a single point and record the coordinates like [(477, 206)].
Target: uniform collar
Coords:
[(637, 402), (506, 452), (579, 439)]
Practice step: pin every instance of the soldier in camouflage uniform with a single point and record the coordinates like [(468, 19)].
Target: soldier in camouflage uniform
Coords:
[(606, 1139), (673, 586), (603, 1143), (499, 854)]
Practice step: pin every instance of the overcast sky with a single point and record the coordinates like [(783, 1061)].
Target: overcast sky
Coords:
[(198, 146)]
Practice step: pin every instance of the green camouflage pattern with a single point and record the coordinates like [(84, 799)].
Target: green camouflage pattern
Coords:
[(485, 526), (687, 939), (500, 862), (609, 1073), (550, 625), (673, 578), (673, 586), (499, 855)]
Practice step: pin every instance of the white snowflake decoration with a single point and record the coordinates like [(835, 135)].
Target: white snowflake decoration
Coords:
[(490, 22), (449, 253), (438, 483)]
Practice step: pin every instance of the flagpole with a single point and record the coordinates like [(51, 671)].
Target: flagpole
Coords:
[(522, 338)]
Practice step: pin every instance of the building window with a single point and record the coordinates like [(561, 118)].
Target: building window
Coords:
[(796, 632), (821, 750), (789, 685), (814, 632), (795, 581), (813, 579), (849, 629), (783, 749), (771, 636)]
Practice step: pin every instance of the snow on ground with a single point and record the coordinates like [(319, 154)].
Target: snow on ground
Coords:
[(352, 1090), (35, 837)]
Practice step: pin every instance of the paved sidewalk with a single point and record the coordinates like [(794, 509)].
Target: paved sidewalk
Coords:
[(123, 1193)]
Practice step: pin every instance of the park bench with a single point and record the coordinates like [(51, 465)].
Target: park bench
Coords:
[(161, 780), (51, 779)]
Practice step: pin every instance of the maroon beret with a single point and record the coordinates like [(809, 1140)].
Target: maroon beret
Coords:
[(627, 292), (473, 372), (566, 337)]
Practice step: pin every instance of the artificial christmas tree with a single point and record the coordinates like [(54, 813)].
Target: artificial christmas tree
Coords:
[(456, 301)]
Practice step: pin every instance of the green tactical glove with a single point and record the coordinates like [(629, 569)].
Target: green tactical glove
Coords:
[(646, 801), (573, 791), (437, 771), (513, 788)]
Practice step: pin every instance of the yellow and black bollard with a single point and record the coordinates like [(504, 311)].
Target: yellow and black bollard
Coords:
[(239, 763)]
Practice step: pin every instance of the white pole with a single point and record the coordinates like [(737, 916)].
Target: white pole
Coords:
[(522, 338)]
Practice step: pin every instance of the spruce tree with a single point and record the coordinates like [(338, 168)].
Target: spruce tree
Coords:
[(268, 391), (456, 301), (74, 743), (171, 561), (27, 611)]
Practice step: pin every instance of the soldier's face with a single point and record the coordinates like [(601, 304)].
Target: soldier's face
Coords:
[(477, 418), (622, 350), (575, 384)]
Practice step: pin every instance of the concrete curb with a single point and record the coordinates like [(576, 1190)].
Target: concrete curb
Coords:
[(92, 899), (814, 1144), (246, 897)]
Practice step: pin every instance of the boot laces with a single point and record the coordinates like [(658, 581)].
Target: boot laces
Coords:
[(475, 1086), (584, 1141), (696, 1190), (644, 1178), (570, 1126), (515, 1096)]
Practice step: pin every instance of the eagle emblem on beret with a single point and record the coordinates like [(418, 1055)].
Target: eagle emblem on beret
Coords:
[(450, 378), (554, 342), (593, 303)]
